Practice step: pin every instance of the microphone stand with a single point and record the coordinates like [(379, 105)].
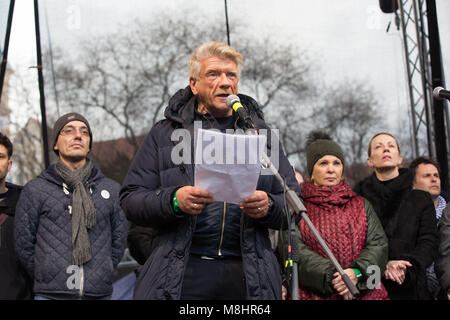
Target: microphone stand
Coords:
[(292, 258), (296, 206)]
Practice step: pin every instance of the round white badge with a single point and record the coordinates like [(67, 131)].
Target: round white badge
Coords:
[(105, 194)]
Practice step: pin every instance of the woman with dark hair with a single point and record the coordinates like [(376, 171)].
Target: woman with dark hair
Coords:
[(408, 218), (346, 222)]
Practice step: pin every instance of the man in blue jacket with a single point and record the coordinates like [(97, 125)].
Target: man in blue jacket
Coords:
[(70, 231), (201, 248)]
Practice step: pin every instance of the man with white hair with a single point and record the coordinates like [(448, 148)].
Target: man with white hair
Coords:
[(204, 249)]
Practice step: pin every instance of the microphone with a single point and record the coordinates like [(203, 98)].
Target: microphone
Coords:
[(234, 103), (441, 94)]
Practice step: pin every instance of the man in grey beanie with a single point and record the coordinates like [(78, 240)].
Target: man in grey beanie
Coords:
[(70, 231)]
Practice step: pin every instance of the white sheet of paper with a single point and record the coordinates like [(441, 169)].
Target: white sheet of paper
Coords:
[(228, 165)]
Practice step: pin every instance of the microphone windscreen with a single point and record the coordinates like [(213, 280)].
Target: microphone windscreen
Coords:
[(436, 92), (231, 100)]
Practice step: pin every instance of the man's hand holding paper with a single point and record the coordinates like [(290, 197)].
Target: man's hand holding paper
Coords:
[(228, 166)]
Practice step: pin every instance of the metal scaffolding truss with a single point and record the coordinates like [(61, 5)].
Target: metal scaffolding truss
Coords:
[(413, 19)]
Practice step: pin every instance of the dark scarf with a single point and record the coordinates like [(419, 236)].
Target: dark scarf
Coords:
[(386, 196), (83, 210), (339, 216)]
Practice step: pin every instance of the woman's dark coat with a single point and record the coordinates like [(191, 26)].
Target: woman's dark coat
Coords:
[(409, 220)]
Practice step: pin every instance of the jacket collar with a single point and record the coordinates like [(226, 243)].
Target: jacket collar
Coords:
[(183, 103), (400, 183), (8, 204)]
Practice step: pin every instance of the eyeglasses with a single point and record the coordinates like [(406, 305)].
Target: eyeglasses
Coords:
[(71, 131)]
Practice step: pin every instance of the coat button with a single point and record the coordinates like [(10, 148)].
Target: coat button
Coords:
[(167, 295), (180, 254), (182, 169)]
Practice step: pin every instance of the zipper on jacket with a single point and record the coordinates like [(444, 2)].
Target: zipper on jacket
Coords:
[(223, 227), (81, 281)]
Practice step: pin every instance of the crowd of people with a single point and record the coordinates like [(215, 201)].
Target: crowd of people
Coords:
[(64, 233)]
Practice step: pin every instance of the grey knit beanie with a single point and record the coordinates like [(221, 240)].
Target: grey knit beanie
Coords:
[(65, 119)]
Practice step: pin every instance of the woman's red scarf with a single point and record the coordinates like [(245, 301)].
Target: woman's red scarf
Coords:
[(339, 216)]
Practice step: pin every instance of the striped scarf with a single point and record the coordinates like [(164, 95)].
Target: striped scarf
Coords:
[(339, 216)]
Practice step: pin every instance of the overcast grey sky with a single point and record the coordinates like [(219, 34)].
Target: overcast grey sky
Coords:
[(347, 37)]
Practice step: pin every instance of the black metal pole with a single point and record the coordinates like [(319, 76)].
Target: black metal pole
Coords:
[(50, 51), (41, 86), (226, 21), (438, 80), (6, 46), (294, 257)]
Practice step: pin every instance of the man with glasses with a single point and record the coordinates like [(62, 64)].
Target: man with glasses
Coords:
[(70, 231)]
